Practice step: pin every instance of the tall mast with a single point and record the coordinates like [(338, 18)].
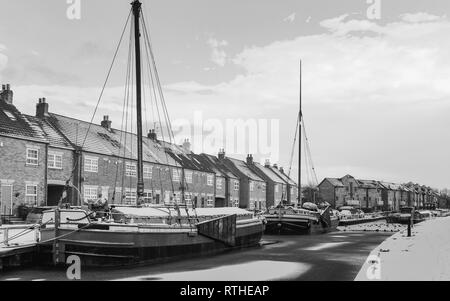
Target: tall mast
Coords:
[(137, 34), (300, 141)]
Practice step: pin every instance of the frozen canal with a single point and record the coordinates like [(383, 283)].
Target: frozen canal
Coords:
[(332, 256)]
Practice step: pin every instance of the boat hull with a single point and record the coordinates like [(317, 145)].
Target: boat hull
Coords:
[(120, 248), (297, 225), (357, 221)]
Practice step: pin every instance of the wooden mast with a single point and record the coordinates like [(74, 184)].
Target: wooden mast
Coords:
[(300, 142), (137, 34)]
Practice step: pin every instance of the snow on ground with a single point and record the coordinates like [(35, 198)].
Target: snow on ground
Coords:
[(423, 257), (378, 226)]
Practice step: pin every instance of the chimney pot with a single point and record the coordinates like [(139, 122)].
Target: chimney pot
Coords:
[(187, 145), (6, 94), (152, 135), (42, 108), (250, 159), (221, 154), (106, 123)]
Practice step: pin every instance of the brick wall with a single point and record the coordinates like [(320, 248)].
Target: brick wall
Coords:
[(327, 193), (165, 181), (15, 171), (233, 193)]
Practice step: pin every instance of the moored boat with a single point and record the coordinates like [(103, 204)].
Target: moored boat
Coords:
[(137, 234), (404, 216), (352, 216), (290, 220), (145, 235)]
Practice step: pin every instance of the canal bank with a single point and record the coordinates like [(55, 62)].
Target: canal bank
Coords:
[(425, 256)]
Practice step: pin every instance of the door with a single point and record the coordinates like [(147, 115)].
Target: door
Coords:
[(6, 200)]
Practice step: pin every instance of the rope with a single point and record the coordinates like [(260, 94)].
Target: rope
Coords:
[(103, 89)]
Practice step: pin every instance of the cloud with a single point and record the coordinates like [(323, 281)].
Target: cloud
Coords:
[(290, 18), (419, 17), (218, 55), (370, 91)]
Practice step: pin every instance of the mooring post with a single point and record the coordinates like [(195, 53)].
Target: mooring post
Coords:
[(411, 221)]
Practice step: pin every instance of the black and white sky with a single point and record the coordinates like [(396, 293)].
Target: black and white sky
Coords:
[(376, 92)]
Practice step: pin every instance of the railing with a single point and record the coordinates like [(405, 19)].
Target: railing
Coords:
[(18, 234)]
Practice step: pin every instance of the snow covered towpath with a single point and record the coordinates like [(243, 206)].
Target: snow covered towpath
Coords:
[(423, 257)]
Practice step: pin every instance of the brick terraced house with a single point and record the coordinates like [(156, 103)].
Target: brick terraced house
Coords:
[(46, 154)]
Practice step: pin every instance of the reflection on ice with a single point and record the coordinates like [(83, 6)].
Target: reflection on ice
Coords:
[(262, 270)]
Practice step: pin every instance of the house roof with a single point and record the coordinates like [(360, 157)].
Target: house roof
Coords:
[(50, 133), (220, 166), (269, 173), (243, 168), (283, 176), (97, 139), (335, 182), (15, 124), (210, 164), (368, 183)]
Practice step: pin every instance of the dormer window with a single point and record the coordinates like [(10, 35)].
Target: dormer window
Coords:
[(10, 115)]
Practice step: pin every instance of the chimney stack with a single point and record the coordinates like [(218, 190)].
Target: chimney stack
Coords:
[(106, 123), (42, 108), (187, 145), (275, 166), (221, 155), (267, 164), (282, 170), (6, 94), (152, 135), (250, 159)]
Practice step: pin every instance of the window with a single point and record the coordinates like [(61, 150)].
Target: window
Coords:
[(236, 185), (210, 202), (147, 172), (130, 170), (130, 197), (236, 203), (264, 187), (90, 164), (188, 199), (252, 186), (188, 175), (209, 180), (276, 188), (218, 183), (176, 175), (32, 156), (148, 197), (90, 193), (31, 194), (55, 161)]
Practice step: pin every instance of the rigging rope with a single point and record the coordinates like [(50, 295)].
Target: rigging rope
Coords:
[(103, 89)]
